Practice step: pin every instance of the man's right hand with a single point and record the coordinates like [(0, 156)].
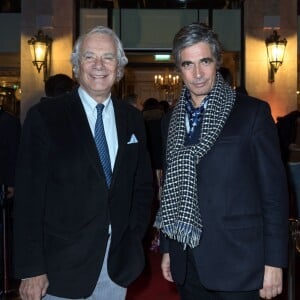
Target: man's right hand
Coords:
[(165, 267), (34, 288)]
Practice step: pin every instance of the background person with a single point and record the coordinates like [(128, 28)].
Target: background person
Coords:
[(288, 127), (57, 85), (132, 99), (293, 168), (10, 130)]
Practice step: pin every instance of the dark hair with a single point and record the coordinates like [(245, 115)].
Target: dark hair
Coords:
[(241, 89), (164, 105), (226, 74), (58, 84), (192, 34), (150, 103)]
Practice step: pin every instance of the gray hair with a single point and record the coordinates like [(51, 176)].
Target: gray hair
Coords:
[(193, 34), (121, 57)]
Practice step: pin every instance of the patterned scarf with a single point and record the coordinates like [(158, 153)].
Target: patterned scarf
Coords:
[(179, 217)]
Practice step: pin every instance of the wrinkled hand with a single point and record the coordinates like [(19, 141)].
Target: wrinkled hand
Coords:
[(165, 267), (272, 285), (34, 288)]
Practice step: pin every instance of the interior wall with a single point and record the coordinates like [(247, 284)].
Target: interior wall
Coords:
[(281, 94), (56, 19)]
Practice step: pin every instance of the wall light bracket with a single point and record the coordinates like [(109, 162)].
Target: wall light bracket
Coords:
[(40, 48), (275, 50)]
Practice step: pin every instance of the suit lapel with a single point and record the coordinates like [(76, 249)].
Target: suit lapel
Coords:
[(82, 132), (121, 124)]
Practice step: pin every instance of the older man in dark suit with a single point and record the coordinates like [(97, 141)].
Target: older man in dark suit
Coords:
[(223, 215), (84, 185)]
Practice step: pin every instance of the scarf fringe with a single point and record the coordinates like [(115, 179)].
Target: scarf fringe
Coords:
[(186, 234)]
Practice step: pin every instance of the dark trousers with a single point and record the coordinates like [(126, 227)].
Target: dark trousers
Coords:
[(192, 289)]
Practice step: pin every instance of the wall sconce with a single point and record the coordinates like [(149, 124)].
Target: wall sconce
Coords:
[(275, 51), (40, 48)]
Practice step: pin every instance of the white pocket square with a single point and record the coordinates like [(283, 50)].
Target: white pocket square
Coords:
[(133, 139)]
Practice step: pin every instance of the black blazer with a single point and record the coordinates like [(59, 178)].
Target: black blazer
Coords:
[(243, 201), (63, 207)]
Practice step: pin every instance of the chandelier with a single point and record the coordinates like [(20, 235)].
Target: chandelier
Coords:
[(167, 82)]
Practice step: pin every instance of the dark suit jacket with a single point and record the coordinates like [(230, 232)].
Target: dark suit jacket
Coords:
[(243, 201), (10, 129), (63, 207)]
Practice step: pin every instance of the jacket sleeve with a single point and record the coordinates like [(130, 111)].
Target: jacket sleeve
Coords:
[(143, 188), (271, 174), (29, 203), (164, 240)]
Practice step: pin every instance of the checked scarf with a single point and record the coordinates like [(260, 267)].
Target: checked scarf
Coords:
[(179, 217)]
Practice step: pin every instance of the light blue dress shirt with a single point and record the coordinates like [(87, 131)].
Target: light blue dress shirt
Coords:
[(109, 121)]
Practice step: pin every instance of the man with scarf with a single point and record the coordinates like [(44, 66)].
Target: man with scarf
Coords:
[(224, 209)]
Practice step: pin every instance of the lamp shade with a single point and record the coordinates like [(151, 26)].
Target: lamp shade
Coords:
[(275, 50), (40, 48)]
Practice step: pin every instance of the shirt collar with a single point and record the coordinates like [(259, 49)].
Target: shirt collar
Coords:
[(189, 105), (90, 103)]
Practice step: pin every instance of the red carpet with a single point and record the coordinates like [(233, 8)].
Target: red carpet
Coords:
[(151, 285)]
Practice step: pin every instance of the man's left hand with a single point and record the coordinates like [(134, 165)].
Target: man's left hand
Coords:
[(272, 285)]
